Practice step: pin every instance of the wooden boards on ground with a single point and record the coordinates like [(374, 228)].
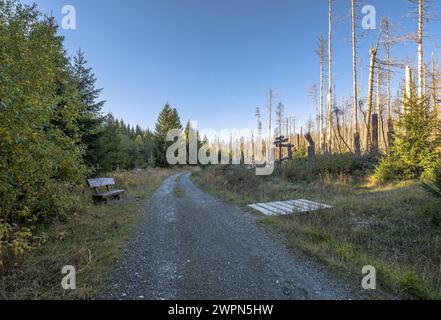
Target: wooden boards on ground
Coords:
[(288, 207)]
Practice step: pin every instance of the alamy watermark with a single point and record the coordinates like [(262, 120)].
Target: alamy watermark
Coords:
[(369, 21), (369, 281), (69, 20), (234, 149), (69, 281)]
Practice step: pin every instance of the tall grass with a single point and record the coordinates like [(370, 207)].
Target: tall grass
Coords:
[(91, 240), (395, 227)]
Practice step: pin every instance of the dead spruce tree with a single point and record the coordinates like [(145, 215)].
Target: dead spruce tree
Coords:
[(321, 52), (259, 122), (356, 143), (330, 83), (369, 108), (421, 73), (280, 110)]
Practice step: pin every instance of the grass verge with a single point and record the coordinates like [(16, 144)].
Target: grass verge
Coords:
[(92, 241), (395, 228)]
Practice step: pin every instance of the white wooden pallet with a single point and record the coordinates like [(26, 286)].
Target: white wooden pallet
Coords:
[(288, 207)]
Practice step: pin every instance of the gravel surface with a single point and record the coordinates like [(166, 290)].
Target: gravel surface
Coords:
[(192, 246)]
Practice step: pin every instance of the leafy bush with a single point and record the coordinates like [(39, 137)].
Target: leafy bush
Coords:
[(41, 155)]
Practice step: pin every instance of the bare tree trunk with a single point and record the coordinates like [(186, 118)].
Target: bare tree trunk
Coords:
[(322, 90), (390, 127), (259, 122), (388, 42), (369, 108), (330, 83), (420, 50), (270, 107), (378, 112), (434, 93), (354, 73), (367, 135), (374, 147), (409, 81)]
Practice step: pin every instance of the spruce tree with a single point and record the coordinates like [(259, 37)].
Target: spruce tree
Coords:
[(91, 117), (416, 152), (168, 120)]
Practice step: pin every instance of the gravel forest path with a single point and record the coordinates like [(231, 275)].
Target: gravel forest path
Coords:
[(191, 245)]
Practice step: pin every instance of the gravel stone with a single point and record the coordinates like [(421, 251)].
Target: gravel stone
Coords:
[(198, 247)]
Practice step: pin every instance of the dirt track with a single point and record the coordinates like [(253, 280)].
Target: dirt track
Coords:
[(193, 246)]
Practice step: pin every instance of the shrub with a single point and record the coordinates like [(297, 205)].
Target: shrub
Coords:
[(329, 165), (298, 169), (434, 187), (40, 142), (417, 147)]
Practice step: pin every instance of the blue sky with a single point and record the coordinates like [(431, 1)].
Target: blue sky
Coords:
[(214, 60)]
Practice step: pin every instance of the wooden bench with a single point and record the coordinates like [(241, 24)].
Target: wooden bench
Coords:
[(96, 184)]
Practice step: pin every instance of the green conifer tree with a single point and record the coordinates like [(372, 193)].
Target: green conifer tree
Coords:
[(416, 152), (168, 120), (91, 117)]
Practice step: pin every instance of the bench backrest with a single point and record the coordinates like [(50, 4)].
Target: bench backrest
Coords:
[(100, 182)]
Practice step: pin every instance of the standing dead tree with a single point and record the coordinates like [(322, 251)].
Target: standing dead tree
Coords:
[(321, 52), (369, 108), (355, 87), (388, 42), (330, 83), (280, 110), (421, 73), (434, 89), (313, 93), (259, 123), (270, 112), (423, 14)]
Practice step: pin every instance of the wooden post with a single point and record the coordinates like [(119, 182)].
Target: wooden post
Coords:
[(311, 148), (289, 151)]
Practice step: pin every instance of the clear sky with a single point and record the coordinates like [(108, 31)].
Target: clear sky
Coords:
[(214, 60)]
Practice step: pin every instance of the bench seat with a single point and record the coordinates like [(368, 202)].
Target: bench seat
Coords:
[(96, 184), (110, 194)]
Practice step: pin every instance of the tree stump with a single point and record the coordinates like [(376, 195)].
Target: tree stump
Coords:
[(311, 148)]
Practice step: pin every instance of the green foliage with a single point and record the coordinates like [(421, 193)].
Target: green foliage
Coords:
[(168, 120), (434, 187), (417, 147), (122, 147), (52, 133), (40, 143), (90, 114)]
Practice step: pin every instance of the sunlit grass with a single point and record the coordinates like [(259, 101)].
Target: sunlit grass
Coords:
[(92, 241), (394, 227)]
